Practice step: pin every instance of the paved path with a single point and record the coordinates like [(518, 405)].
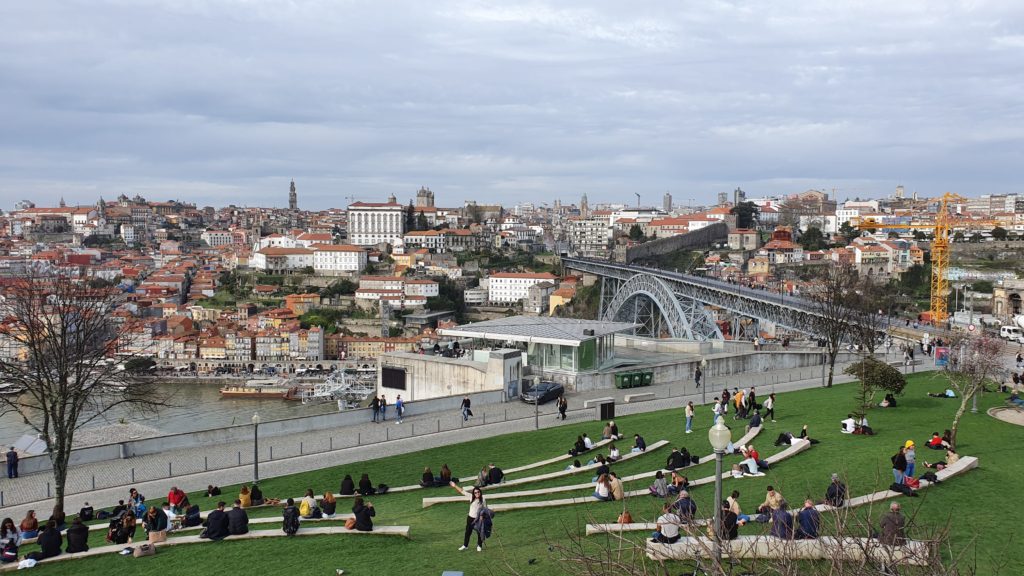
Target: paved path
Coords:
[(193, 470)]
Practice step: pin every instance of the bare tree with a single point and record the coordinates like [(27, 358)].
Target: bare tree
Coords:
[(831, 296), (972, 361), (57, 343), (868, 301)]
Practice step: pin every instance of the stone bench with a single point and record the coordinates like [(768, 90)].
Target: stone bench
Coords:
[(253, 534), (639, 397), (595, 402), (427, 502), (848, 549), (788, 452), (277, 520)]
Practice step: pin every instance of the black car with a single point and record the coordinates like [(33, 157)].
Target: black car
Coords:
[(542, 392)]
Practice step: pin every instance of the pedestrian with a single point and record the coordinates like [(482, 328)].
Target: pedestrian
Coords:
[(769, 407), (899, 466), (892, 526), (375, 406), (399, 409), (12, 463), (383, 408), (911, 455), (563, 405), (1020, 359), (476, 507), (689, 417), (466, 411), (698, 373)]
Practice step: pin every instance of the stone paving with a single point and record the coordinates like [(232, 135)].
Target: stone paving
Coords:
[(193, 470)]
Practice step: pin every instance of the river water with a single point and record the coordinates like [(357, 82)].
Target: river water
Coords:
[(195, 406)]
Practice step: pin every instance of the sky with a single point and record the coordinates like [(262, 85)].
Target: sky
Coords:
[(224, 101)]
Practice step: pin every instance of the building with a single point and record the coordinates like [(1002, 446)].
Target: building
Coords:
[(666, 203), (293, 197), (744, 239), (217, 238), (424, 198), (512, 287), (590, 237), (334, 259), (275, 260), (475, 296), (370, 224), (538, 298)]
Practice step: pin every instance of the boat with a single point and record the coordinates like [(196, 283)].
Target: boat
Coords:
[(11, 389), (259, 388)]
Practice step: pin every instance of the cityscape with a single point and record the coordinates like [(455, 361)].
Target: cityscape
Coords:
[(510, 257)]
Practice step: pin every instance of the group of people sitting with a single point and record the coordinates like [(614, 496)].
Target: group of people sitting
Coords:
[(428, 479), (488, 476), (365, 488), (853, 425), (751, 465)]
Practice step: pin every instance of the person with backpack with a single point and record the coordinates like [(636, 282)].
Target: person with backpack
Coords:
[(899, 466), (307, 506), (9, 552), (399, 409), (291, 518), (78, 537)]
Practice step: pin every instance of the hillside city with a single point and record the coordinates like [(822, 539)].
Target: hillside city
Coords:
[(241, 288)]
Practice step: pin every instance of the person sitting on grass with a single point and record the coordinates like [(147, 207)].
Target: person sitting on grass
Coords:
[(446, 475), (78, 537), (935, 442), (613, 453), (677, 459), (245, 497), (835, 494), (888, 402), (848, 425), (618, 492), (737, 471), (808, 522), (603, 488), (729, 529), (660, 487), (212, 491), (579, 447), (328, 505), (734, 505), (667, 531), (348, 487), (782, 522), (290, 516), (575, 464), (678, 482), (256, 496), (308, 504), (685, 507), (238, 520), (494, 475), (427, 480), (639, 445), (216, 524), (755, 421), (49, 542), (363, 513), (587, 442), (951, 458), (602, 468), (772, 500), (365, 486)]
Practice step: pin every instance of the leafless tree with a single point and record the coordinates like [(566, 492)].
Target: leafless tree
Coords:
[(868, 301), (57, 341), (973, 360), (831, 295)]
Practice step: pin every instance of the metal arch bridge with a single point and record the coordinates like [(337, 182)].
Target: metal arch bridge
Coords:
[(666, 303)]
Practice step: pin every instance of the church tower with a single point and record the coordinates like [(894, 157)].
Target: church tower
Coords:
[(293, 198), (584, 207)]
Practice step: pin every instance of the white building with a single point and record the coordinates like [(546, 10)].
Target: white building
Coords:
[(216, 238), (425, 288), (589, 236), (370, 224), (507, 287), (331, 259), (273, 259)]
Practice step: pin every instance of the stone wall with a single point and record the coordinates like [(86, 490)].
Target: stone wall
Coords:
[(696, 239)]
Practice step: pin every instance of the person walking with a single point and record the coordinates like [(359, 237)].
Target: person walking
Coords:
[(476, 507), (375, 406), (12, 463), (769, 407), (399, 409), (466, 411), (689, 417), (563, 405), (697, 374)]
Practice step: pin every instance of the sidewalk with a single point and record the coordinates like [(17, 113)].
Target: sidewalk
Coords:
[(190, 469)]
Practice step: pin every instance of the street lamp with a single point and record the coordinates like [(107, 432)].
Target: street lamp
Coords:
[(720, 437), (256, 447), (704, 381)]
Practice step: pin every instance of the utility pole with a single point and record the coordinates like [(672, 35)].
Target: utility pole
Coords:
[(637, 199)]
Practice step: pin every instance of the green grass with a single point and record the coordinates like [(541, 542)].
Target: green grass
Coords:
[(977, 502)]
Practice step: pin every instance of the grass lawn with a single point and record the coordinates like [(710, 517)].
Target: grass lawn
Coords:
[(975, 503)]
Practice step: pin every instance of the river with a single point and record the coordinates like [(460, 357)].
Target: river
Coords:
[(195, 406)]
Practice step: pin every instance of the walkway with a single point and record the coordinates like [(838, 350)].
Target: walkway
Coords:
[(188, 469)]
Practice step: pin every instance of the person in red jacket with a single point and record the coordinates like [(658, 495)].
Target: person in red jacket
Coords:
[(178, 500)]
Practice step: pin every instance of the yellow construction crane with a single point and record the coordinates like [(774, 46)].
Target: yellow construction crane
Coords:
[(941, 227)]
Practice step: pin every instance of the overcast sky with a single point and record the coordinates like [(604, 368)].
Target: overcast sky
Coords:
[(224, 101)]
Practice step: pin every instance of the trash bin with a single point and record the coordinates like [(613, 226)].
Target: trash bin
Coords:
[(648, 378), (608, 411)]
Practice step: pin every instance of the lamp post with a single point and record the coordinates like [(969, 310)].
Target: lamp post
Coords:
[(704, 381), (256, 447), (974, 397), (720, 436)]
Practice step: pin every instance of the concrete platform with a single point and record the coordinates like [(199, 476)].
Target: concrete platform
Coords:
[(913, 553)]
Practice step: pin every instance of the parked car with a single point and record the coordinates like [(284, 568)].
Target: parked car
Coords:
[(542, 392)]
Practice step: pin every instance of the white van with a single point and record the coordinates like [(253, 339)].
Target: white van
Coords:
[(1010, 332)]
